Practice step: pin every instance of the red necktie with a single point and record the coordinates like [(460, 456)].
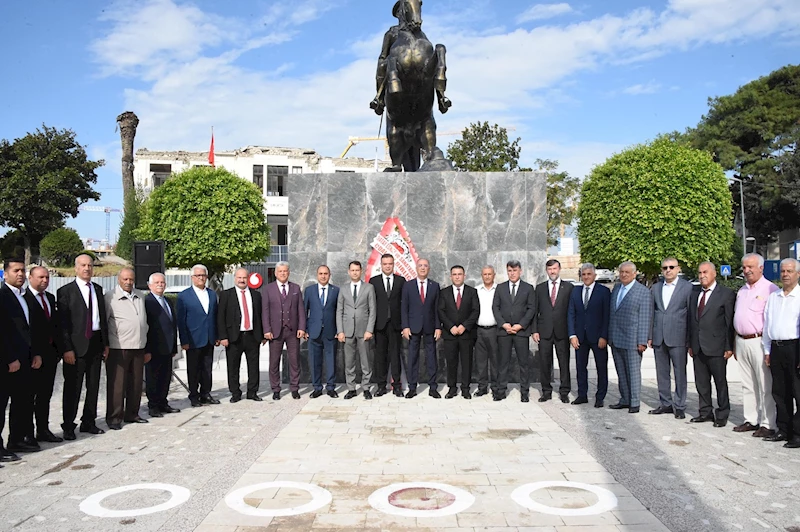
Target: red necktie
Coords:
[(553, 295), (245, 312), (89, 320), (458, 299), (702, 304), (44, 306), (422, 292)]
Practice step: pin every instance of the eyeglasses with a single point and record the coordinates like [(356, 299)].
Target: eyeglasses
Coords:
[(670, 267), (201, 275)]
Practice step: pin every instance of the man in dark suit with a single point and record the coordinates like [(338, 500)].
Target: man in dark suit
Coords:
[(550, 330), (197, 325), (240, 331), (587, 326), (459, 309), (21, 362), (84, 336), (514, 308), (45, 334), (672, 299), (162, 344), (419, 315), (388, 293), (320, 306), (711, 343), (284, 320)]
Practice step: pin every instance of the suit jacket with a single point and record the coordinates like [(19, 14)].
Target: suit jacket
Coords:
[(45, 333), (521, 311), (551, 321), (589, 324), (271, 308), (354, 318), (229, 315), (18, 342), (321, 321), (72, 309), (197, 329), (467, 315), (630, 325), (671, 324), (162, 332), (713, 333), (391, 303), (418, 316)]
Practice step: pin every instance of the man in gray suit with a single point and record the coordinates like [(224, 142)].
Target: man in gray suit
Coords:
[(355, 324), (629, 331), (671, 337)]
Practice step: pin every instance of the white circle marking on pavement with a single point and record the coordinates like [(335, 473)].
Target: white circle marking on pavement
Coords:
[(91, 504), (605, 499), (380, 500), (319, 498)]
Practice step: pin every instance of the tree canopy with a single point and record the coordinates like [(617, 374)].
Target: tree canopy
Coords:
[(61, 246), (562, 199), (652, 201), (485, 148), (44, 177), (207, 216)]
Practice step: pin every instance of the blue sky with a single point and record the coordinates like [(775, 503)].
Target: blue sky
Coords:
[(577, 80)]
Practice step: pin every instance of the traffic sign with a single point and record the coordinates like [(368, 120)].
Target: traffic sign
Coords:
[(725, 270)]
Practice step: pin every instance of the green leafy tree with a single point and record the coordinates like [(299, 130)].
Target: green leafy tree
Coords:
[(60, 247), (44, 177), (209, 216), (131, 218), (657, 200), (485, 148), (562, 199)]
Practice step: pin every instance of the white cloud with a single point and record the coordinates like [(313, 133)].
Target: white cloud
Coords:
[(543, 12), (642, 88)]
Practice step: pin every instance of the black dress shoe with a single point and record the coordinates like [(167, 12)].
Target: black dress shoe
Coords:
[(451, 393), (276, 396), (398, 392), (69, 434), (778, 436), (26, 445), (169, 410), (333, 394), (618, 406), (48, 436), (155, 412), (718, 423), (236, 399), (8, 456), (367, 395), (381, 392), (435, 394), (633, 410), (136, 419), (316, 393), (564, 398), (115, 426), (208, 400), (580, 401), (295, 395), (350, 394), (661, 410), (196, 403), (411, 394), (545, 397), (481, 393), (93, 429), (680, 414), (598, 404), (524, 398), (702, 419), (256, 398), (794, 443), (466, 395)]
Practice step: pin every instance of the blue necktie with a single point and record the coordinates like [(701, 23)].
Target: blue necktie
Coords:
[(322, 297), (621, 295)]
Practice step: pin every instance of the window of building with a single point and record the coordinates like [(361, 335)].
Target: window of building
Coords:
[(279, 230), (258, 175), (297, 169), (276, 180), (161, 173)]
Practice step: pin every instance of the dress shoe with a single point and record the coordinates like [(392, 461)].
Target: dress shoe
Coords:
[(618, 406), (333, 394), (256, 398), (580, 401), (136, 419), (92, 429), (367, 395), (208, 400), (778, 436), (47, 436), (398, 392), (435, 394), (793, 443), (350, 394), (661, 410), (236, 399), (524, 398), (295, 395), (680, 414), (26, 445), (763, 432), (169, 410), (451, 393), (720, 423), (196, 403), (381, 392), (115, 426), (316, 393), (545, 397), (8, 456), (481, 393), (69, 434), (412, 393), (746, 427), (598, 404), (633, 410), (466, 395), (564, 398), (155, 412), (702, 419), (498, 396), (276, 396)]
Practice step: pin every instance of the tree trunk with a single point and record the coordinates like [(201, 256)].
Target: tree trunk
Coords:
[(27, 242), (128, 122)]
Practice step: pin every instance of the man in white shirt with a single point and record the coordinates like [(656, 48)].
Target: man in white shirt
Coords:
[(782, 353), (487, 361)]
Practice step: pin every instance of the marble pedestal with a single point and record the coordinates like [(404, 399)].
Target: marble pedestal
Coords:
[(466, 218)]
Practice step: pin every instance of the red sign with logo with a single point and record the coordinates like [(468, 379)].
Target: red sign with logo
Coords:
[(255, 281), (393, 239)]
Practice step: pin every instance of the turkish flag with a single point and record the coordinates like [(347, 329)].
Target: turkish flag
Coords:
[(211, 150)]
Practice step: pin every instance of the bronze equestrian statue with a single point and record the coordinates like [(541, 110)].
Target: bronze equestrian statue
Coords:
[(411, 71)]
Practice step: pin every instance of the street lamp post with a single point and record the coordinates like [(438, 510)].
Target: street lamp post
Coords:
[(741, 203)]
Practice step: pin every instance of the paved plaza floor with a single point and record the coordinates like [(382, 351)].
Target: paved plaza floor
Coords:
[(401, 465)]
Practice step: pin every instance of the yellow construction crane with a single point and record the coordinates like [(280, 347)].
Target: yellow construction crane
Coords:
[(352, 141)]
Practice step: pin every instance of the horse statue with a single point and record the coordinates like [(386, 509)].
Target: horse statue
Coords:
[(411, 71)]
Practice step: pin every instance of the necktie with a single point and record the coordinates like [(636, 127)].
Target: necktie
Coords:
[(165, 306), (702, 304), (513, 292), (620, 295), (388, 287), (422, 291), (283, 290), (458, 299), (355, 292), (44, 306), (553, 295), (388, 295), (585, 297), (246, 312), (90, 311), (322, 297)]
